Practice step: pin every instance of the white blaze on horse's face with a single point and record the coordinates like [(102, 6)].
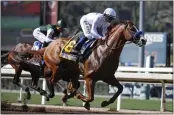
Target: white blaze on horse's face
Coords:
[(142, 41)]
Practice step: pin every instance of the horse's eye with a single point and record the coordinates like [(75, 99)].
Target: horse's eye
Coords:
[(133, 29)]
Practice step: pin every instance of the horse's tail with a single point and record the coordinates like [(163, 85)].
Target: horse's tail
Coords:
[(4, 59)]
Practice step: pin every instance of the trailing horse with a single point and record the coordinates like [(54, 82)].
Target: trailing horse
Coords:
[(16, 62)]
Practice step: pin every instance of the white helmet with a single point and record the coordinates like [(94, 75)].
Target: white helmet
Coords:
[(109, 14)]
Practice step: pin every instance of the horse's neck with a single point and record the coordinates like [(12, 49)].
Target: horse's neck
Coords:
[(108, 54), (114, 42), (115, 39)]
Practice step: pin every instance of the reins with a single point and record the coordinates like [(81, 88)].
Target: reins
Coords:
[(111, 48)]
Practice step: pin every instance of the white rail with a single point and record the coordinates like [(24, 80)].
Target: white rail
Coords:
[(9, 69)]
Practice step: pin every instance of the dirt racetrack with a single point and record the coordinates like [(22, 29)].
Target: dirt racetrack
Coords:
[(16, 108)]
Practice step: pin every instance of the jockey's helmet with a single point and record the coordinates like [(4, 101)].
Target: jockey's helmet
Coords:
[(109, 14), (61, 23)]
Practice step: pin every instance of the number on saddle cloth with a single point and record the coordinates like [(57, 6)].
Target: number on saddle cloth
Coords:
[(68, 52), (37, 45), (85, 49), (70, 45)]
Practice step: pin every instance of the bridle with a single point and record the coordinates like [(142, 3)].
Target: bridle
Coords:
[(128, 29)]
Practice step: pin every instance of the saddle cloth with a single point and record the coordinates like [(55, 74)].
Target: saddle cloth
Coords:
[(68, 52)]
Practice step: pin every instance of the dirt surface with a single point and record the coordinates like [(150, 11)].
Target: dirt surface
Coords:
[(16, 108)]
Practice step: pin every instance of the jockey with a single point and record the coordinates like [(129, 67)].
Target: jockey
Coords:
[(46, 33), (94, 26)]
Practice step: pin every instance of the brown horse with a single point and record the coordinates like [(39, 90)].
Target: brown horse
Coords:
[(19, 65), (101, 64)]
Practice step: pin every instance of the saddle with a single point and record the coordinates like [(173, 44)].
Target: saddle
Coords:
[(68, 52)]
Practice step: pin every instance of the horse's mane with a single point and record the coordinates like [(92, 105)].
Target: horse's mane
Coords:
[(116, 22)]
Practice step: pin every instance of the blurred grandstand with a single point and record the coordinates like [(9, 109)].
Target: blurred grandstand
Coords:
[(19, 18)]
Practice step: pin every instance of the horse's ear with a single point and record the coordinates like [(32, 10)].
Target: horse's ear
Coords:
[(124, 21), (128, 21)]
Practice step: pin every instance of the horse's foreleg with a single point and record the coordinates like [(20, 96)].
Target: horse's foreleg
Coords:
[(34, 85), (114, 82), (52, 80), (90, 91), (35, 79), (50, 86), (18, 71), (27, 90), (64, 90), (90, 84)]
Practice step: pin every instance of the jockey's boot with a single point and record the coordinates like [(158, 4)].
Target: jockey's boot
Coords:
[(80, 43), (86, 49)]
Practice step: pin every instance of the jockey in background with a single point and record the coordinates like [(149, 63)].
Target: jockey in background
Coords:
[(94, 26), (46, 33)]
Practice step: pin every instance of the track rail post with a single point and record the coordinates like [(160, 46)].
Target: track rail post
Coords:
[(44, 88), (163, 97), (119, 103), (20, 95)]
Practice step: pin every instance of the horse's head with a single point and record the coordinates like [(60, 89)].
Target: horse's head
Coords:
[(128, 32), (131, 33)]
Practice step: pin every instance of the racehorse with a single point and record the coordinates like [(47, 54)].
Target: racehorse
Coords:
[(100, 65), (19, 65)]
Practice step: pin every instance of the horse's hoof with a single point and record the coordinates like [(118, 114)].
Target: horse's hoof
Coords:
[(64, 99), (38, 89), (104, 103), (51, 95), (87, 105), (43, 92), (47, 98), (28, 96)]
